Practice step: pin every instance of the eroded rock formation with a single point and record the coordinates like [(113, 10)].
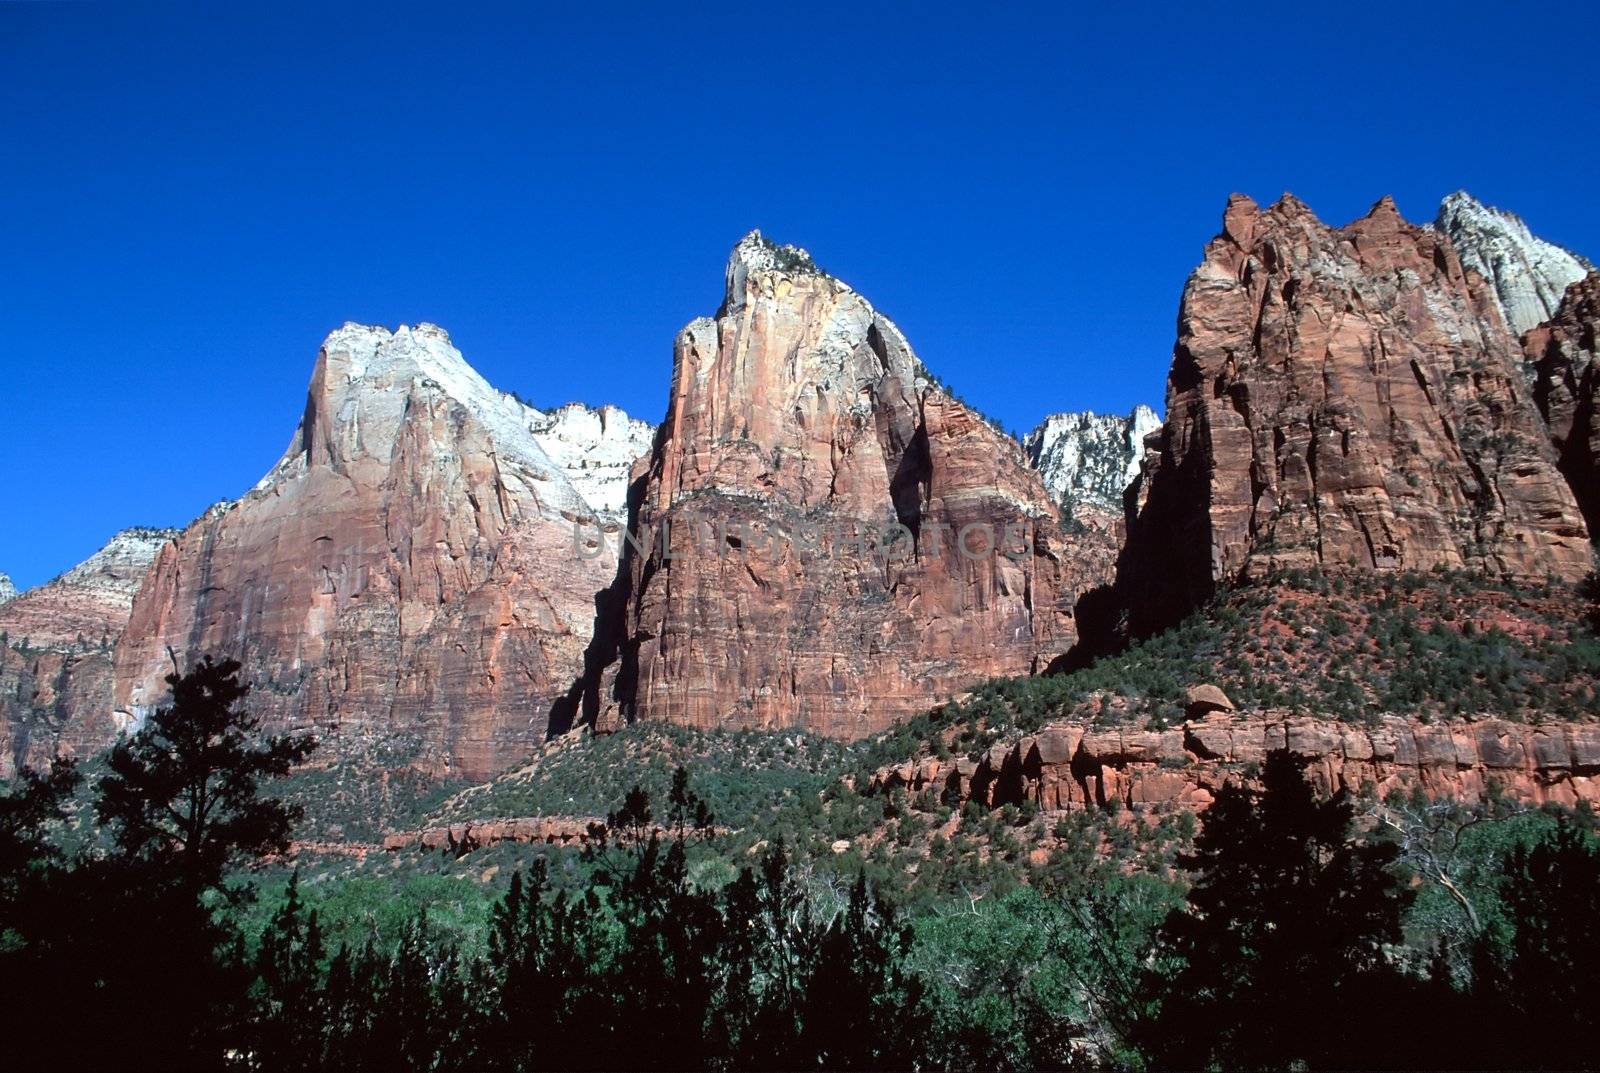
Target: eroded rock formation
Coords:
[(415, 562), (1069, 766), (1342, 398), (803, 509), (55, 658), (1090, 459), (596, 447), (8, 591), (1562, 353)]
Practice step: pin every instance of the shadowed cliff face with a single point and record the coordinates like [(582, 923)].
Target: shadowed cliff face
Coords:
[(1346, 399), (409, 565), (1563, 353), (801, 410)]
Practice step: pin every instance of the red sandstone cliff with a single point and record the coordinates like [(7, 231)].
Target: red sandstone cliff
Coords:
[(801, 409), (1070, 765), (409, 565), (56, 642), (1341, 398)]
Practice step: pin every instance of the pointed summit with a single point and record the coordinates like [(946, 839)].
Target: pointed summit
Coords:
[(755, 255), (8, 591), (801, 429), (1528, 274)]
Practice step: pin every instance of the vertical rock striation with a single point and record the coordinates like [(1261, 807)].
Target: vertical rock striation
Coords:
[(802, 432), (410, 564), (1562, 353), (1342, 398)]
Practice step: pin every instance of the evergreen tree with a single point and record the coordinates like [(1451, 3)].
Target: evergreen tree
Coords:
[(1282, 943), (183, 793)]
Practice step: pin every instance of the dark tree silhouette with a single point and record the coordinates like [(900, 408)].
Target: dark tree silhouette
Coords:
[(1282, 942), (1540, 977), (129, 942), (183, 793)]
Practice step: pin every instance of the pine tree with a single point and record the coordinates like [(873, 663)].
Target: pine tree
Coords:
[(1282, 941), (184, 792)]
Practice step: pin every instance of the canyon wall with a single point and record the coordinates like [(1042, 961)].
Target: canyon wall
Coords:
[(56, 644), (1341, 398), (1562, 353)]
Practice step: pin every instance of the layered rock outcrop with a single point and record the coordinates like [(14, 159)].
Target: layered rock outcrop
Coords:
[(1342, 398), (415, 562), (1090, 459), (1073, 766), (1562, 353), (1527, 275), (802, 560), (56, 655)]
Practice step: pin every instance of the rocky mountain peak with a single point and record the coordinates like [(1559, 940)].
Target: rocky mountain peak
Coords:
[(1089, 458), (370, 381), (1527, 274), (1341, 398), (800, 409), (8, 591), (415, 563), (119, 566), (755, 256), (596, 447)]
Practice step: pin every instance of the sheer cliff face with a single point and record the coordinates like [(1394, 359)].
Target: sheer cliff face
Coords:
[(1090, 459), (55, 662), (409, 565), (803, 508), (1342, 398), (1527, 276), (1562, 353)]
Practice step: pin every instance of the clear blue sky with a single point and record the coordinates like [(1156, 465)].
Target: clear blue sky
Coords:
[(193, 197)]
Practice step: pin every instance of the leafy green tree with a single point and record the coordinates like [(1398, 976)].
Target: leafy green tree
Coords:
[(30, 861), (287, 1011)]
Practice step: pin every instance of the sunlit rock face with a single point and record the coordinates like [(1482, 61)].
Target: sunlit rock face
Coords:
[(56, 642), (1562, 353), (595, 447), (1342, 398), (1090, 459), (1070, 765), (1526, 274), (417, 561), (799, 408)]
